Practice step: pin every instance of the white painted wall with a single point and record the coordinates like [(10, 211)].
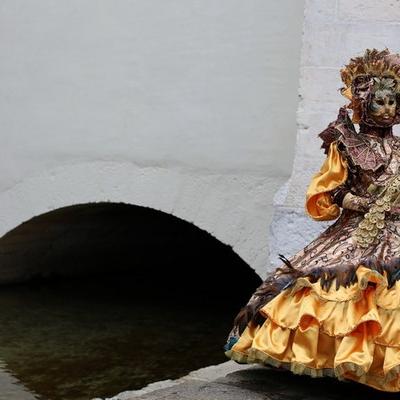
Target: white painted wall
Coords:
[(334, 31), (186, 106)]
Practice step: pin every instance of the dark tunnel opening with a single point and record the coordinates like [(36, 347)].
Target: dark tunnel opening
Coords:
[(104, 297)]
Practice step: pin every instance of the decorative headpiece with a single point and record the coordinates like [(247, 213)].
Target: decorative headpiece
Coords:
[(363, 76)]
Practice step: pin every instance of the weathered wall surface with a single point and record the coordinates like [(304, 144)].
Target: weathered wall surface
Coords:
[(184, 106), (334, 31)]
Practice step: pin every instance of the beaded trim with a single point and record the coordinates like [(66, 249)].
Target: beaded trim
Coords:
[(374, 220)]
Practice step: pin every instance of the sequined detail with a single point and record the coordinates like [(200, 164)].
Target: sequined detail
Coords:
[(373, 223)]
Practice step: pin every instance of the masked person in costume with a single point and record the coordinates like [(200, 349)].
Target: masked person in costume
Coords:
[(333, 309)]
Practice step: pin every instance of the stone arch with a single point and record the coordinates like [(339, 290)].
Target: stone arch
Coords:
[(118, 241), (230, 207)]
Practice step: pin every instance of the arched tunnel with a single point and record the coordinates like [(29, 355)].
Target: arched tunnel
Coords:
[(100, 298)]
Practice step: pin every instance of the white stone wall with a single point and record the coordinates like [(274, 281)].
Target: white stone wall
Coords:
[(334, 31), (185, 106)]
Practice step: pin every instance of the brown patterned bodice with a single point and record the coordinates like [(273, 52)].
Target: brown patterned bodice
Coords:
[(388, 149)]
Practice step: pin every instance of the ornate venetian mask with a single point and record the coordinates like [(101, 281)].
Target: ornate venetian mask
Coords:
[(382, 106)]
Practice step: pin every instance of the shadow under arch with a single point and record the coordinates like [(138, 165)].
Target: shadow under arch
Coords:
[(129, 293)]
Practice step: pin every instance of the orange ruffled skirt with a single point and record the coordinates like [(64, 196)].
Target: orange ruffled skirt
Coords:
[(350, 333)]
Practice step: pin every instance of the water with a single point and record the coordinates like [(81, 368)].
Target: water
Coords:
[(75, 341)]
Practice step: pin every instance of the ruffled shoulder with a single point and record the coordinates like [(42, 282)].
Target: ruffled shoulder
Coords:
[(333, 132), (354, 147)]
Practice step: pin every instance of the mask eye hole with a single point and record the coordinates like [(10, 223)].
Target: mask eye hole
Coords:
[(380, 102)]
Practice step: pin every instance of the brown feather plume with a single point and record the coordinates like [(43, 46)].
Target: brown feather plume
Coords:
[(271, 287)]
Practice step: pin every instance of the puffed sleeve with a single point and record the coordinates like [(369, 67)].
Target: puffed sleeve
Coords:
[(320, 204)]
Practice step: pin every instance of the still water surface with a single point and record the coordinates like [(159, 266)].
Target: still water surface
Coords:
[(78, 341)]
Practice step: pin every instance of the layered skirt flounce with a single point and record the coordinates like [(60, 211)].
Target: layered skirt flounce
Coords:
[(349, 333)]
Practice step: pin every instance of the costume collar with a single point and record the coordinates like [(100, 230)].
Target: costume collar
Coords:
[(377, 132)]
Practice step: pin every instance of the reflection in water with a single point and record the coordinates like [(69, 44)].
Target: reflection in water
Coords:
[(76, 342)]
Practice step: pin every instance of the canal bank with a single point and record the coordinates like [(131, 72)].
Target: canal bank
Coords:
[(201, 376), (230, 381)]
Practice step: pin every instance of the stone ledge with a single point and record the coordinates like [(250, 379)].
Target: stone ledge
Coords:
[(263, 383), (194, 378)]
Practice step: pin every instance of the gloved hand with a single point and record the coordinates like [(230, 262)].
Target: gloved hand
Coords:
[(357, 203), (344, 198)]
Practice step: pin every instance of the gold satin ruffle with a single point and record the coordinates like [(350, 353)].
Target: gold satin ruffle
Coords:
[(333, 173), (352, 333)]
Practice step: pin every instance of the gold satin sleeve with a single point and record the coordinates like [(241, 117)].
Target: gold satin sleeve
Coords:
[(319, 204)]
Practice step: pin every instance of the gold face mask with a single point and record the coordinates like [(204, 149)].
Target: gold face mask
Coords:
[(383, 104), (382, 108)]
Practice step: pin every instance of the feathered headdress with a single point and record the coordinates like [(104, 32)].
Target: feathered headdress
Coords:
[(364, 75)]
